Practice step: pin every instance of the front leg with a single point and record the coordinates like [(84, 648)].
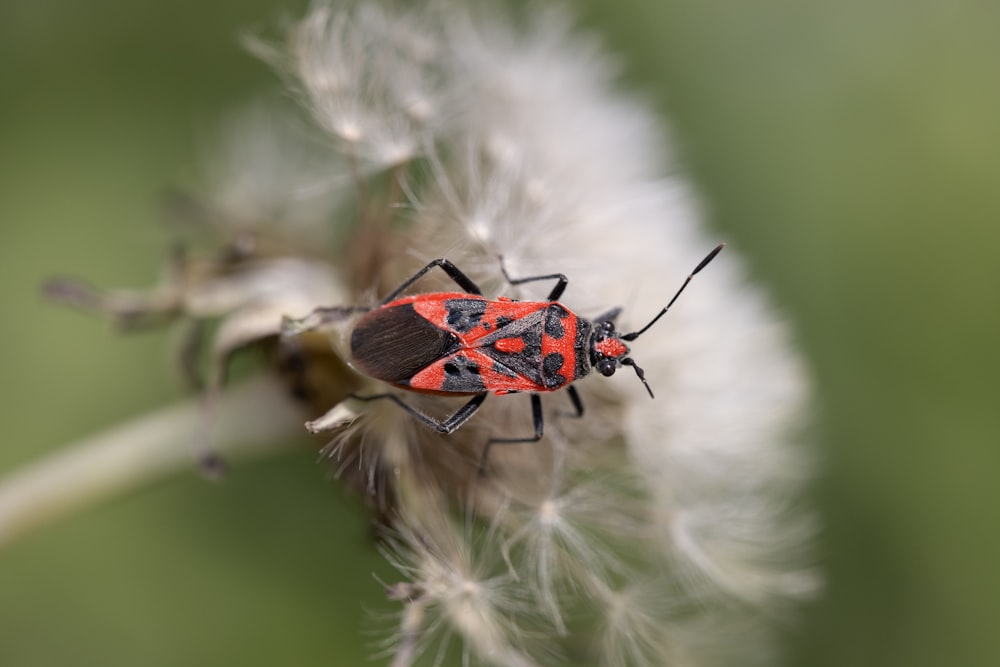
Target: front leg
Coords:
[(319, 319)]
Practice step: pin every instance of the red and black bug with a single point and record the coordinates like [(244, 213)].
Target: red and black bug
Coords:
[(461, 343)]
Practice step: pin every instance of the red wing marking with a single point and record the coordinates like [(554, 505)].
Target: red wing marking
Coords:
[(433, 307), (469, 372), (510, 345)]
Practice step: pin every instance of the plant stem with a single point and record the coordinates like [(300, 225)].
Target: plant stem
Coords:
[(254, 418)]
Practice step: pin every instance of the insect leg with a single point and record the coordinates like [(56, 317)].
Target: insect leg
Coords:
[(537, 419), (317, 319), (574, 396), (453, 272), (560, 286), (446, 426)]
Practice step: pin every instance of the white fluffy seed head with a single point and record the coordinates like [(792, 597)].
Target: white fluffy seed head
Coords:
[(369, 76), (646, 532), (539, 159), (464, 587)]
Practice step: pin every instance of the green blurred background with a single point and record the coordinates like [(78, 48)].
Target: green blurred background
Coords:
[(850, 149)]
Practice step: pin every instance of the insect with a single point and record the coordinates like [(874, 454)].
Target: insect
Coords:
[(461, 343)]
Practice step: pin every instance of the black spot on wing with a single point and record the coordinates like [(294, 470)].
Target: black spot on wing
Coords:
[(461, 375), (532, 345), (392, 344), (554, 315), (551, 365), (464, 314)]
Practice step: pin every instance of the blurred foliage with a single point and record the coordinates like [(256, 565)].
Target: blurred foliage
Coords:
[(850, 149)]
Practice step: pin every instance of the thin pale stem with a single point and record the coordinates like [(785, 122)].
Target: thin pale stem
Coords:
[(250, 419)]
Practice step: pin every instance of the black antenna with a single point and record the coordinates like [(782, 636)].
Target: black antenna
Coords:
[(628, 361), (701, 265)]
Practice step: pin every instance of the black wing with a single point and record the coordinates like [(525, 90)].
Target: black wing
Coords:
[(392, 344)]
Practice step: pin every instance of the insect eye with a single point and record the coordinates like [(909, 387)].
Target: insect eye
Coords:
[(606, 367)]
